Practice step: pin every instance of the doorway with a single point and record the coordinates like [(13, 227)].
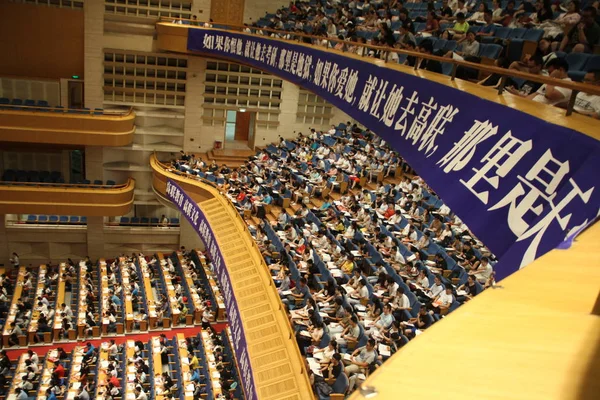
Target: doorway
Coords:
[(239, 129), (75, 94)]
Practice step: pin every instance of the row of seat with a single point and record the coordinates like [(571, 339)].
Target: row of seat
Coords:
[(144, 221), (42, 105), (56, 219), (22, 176)]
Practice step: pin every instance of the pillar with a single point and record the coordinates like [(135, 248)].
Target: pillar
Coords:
[(95, 237)]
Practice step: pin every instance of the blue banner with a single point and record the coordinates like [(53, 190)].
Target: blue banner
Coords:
[(520, 184), (189, 208)]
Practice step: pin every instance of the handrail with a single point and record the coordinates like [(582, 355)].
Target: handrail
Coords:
[(64, 110), (250, 241), (65, 185), (575, 86)]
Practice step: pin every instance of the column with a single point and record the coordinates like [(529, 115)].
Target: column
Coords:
[(192, 136), (188, 237), (4, 250), (93, 53), (93, 163), (95, 237)]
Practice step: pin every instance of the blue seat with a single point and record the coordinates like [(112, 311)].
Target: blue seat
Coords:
[(124, 221), (517, 33), (16, 102), (174, 221), (145, 221), (4, 100), (577, 61), (29, 103), (110, 183), (593, 63), (73, 219), (490, 50), (98, 182), (86, 182), (31, 219), (53, 219), (341, 384), (42, 219), (533, 35), (63, 219), (154, 221), (42, 103), (83, 220), (135, 221)]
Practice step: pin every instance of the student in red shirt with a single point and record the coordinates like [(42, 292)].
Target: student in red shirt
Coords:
[(59, 370)]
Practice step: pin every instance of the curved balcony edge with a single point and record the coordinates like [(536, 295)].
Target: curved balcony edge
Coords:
[(66, 129), (228, 217), (63, 199)]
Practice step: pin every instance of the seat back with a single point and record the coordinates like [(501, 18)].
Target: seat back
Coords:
[(341, 384), (577, 61)]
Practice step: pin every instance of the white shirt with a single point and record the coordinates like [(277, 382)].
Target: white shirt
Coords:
[(445, 299), (437, 289), (541, 94), (485, 273), (588, 103)]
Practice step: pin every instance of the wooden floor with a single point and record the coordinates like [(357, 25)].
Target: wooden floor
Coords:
[(535, 337)]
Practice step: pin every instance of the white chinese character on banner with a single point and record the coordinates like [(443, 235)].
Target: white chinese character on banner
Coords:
[(503, 157), (351, 87), (390, 108), (252, 47), (365, 99), (333, 76), (325, 74), (307, 65), (263, 53), (294, 63), (233, 45), (227, 46), (341, 83), (257, 51), (437, 127), (240, 45), (300, 66), (537, 194), (380, 94), (219, 43), (273, 56), (420, 123), (282, 59), (318, 72), (208, 42), (402, 122), (288, 60), (462, 152), (247, 49)]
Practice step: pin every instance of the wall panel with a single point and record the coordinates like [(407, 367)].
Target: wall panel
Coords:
[(43, 42)]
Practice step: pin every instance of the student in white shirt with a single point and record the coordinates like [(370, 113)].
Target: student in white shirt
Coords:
[(550, 94), (589, 104), (483, 271)]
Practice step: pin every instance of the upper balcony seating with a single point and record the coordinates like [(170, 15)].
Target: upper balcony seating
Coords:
[(42, 105)]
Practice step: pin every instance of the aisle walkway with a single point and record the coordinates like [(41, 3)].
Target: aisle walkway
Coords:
[(14, 353)]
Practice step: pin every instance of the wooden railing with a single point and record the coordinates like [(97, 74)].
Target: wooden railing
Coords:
[(255, 254), (46, 185), (70, 111), (295, 37)]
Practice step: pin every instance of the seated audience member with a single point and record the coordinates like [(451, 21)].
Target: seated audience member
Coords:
[(359, 361), (584, 36), (550, 94), (589, 104), (426, 47)]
